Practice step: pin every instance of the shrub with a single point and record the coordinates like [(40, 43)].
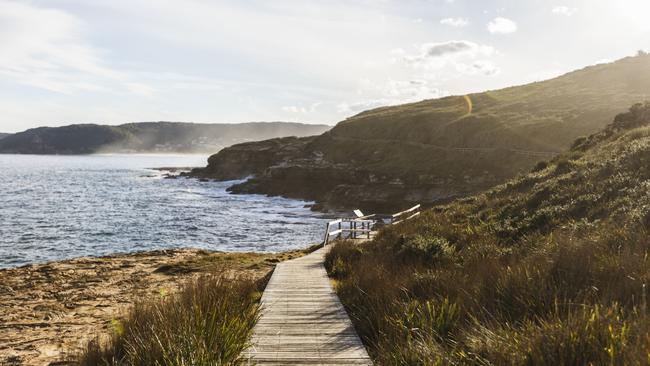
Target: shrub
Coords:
[(334, 263), (540, 166), (578, 143), (638, 115), (424, 248), (209, 322), (563, 166)]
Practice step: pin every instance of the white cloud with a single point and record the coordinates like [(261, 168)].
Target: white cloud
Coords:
[(604, 61), (355, 107), (46, 49), (411, 90), (393, 92), (437, 55), (447, 48), (455, 22), (502, 25), (564, 10), (294, 109), (429, 67), (479, 67), (135, 57), (546, 74), (301, 110), (39, 47), (140, 89)]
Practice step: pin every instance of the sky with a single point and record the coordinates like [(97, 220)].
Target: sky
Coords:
[(119, 61)]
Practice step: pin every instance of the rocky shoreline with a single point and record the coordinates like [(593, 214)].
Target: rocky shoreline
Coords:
[(298, 168), (49, 311)]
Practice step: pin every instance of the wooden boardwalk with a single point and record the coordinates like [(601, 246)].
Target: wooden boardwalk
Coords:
[(303, 321)]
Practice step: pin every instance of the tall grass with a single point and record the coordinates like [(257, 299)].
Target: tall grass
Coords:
[(208, 322), (570, 301), (551, 268)]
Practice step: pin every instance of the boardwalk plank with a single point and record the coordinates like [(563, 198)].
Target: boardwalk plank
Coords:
[(303, 322)]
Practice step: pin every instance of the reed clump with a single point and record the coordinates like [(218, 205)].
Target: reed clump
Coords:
[(209, 321)]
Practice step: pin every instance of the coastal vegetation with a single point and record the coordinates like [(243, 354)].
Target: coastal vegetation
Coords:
[(549, 268), (208, 322), (50, 310), (439, 149), (148, 137)]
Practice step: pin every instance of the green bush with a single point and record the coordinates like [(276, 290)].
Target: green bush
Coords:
[(334, 263), (425, 248)]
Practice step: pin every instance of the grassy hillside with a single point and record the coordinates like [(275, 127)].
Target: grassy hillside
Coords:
[(550, 268), (442, 148), (542, 116), (148, 137)]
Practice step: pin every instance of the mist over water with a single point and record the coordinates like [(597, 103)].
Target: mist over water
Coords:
[(58, 207)]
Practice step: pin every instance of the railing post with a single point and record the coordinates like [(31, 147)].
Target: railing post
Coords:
[(327, 233), (340, 232)]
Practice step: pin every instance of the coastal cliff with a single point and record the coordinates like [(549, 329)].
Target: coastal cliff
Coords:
[(435, 150)]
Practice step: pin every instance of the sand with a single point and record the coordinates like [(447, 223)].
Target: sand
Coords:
[(49, 311)]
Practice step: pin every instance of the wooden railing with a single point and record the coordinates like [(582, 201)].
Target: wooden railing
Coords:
[(336, 233), (405, 215), (351, 228)]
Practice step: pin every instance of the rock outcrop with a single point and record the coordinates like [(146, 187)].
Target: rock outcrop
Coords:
[(294, 168)]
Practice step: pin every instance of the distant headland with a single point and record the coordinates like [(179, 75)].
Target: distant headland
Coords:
[(148, 137)]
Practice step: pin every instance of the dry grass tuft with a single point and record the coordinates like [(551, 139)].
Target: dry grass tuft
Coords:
[(209, 322)]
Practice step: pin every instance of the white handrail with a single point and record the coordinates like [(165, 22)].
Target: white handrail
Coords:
[(366, 225), (336, 232), (416, 207), (408, 218), (353, 230)]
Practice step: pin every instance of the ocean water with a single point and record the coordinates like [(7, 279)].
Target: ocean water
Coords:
[(58, 207)]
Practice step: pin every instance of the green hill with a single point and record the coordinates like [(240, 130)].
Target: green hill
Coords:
[(439, 149), (550, 268), (149, 137)]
